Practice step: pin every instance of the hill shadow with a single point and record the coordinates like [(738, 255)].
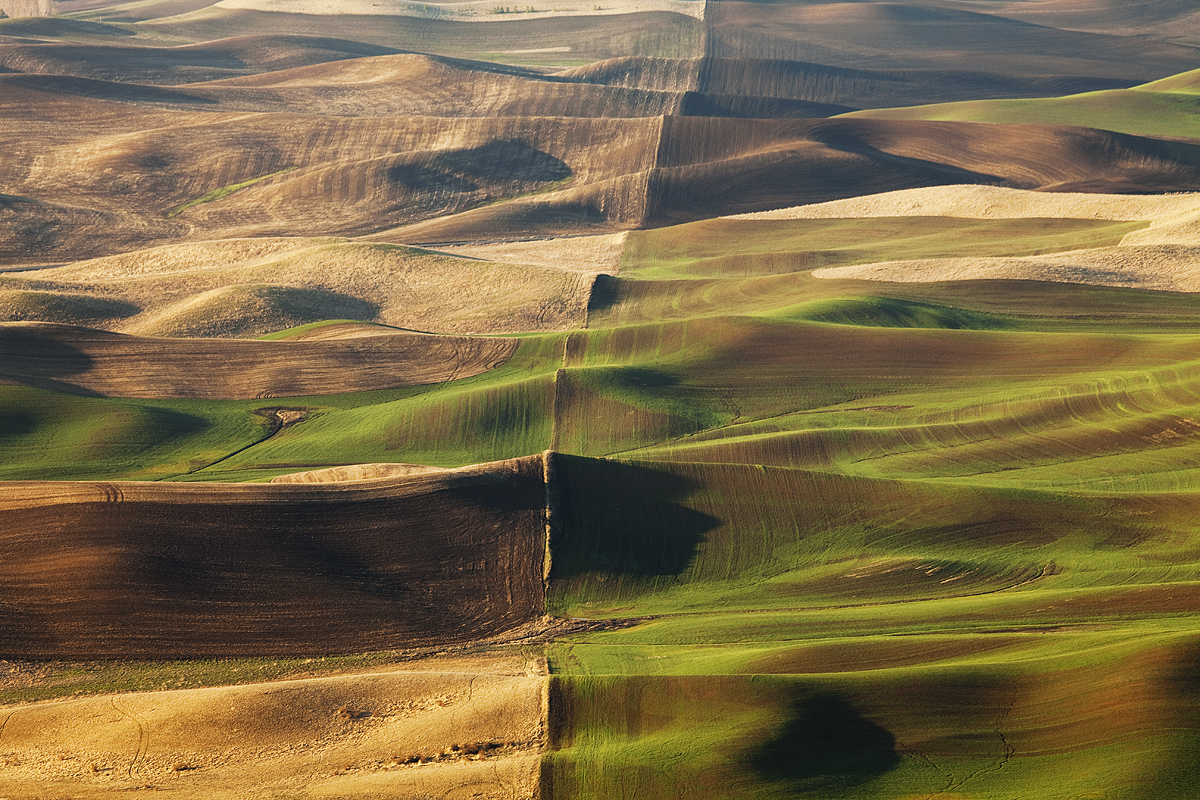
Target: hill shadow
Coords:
[(38, 359), (623, 519), (825, 746)]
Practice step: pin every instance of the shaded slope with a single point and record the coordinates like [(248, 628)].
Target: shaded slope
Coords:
[(154, 570), (432, 87), (710, 167), (757, 87), (908, 36), (89, 361)]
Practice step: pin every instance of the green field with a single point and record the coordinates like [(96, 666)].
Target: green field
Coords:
[(1168, 107), (878, 540)]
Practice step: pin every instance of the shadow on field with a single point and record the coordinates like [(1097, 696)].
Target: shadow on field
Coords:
[(623, 520), (605, 293), (35, 358), (825, 746)]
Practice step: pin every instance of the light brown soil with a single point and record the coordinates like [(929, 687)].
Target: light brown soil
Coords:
[(84, 360), (173, 570), (406, 733), (592, 254), (354, 472)]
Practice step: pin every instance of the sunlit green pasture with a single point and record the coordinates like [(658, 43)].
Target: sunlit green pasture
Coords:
[(1168, 107)]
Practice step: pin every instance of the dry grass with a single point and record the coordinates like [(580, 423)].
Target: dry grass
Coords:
[(390, 734), (245, 288), (1163, 268), (591, 254)]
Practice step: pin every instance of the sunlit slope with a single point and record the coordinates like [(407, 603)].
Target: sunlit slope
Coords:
[(429, 726), (1122, 726), (745, 248), (110, 569), (251, 287), (1168, 107)]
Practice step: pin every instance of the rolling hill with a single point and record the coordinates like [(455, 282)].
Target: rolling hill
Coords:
[(645, 399)]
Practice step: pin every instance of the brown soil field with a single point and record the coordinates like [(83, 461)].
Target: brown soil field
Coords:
[(709, 167), (761, 88), (251, 287), (168, 66), (433, 729), (157, 570), (117, 365), (1172, 20), (421, 85), (941, 36)]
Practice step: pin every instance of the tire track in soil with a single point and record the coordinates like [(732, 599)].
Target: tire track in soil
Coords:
[(143, 736)]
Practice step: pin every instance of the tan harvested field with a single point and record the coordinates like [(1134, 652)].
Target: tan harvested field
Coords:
[(251, 287), (354, 472), (434, 729), (205, 570), (1162, 268), (1163, 256), (117, 365), (592, 254), (996, 202), (477, 11)]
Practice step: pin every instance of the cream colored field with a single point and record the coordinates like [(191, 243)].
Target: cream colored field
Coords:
[(578, 253), (354, 472), (996, 202), (1164, 256), (244, 287), (479, 11), (433, 729)]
